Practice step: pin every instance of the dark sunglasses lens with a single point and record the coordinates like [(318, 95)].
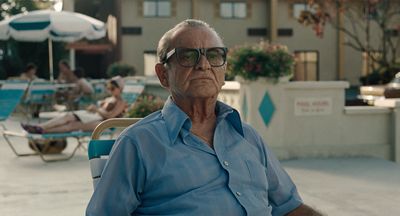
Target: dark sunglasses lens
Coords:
[(187, 57), (216, 56)]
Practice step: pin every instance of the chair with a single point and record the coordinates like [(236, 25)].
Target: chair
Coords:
[(100, 92), (98, 150), (132, 90), (40, 93), (78, 135), (11, 94)]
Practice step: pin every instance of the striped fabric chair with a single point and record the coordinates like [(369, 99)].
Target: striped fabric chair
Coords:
[(11, 94), (40, 94), (99, 150), (132, 90)]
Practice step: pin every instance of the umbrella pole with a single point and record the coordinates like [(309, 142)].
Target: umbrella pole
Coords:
[(50, 43)]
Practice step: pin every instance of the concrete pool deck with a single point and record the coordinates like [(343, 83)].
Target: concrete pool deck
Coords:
[(335, 186)]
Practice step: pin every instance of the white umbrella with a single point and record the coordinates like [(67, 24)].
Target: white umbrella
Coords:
[(39, 25)]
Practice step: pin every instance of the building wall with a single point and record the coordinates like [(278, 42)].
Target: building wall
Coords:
[(234, 32), (133, 46), (68, 5), (304, 38)]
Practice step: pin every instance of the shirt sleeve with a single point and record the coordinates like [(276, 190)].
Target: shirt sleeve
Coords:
[(117, 192), (282, 192)]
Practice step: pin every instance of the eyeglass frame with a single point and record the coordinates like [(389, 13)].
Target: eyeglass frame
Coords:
[(202, 51)]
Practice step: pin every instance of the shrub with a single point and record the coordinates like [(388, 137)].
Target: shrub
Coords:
[(260, 60), (144, 105), (120, 69)]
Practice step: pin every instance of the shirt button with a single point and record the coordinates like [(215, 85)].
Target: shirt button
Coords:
[(238, 193), (226, 163)]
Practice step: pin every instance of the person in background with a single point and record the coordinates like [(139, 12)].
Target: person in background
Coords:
[(65, 73), (29, 73), (195, 156), (79, 88), (86, 120)]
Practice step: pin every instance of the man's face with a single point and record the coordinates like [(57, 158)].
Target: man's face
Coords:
[(201, 80)]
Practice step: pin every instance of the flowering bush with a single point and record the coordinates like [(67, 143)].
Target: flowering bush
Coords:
[(144, 105), (260, 60)]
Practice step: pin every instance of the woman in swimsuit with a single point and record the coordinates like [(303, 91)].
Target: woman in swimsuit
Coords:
[(86, 120)]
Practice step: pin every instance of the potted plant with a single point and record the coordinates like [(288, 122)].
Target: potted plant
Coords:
[(144, 105), (260, 60)]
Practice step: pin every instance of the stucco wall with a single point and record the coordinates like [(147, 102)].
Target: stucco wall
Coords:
[(234, 32)]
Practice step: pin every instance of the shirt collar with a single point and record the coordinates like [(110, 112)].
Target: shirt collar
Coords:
[(232, 115), (176, 119)]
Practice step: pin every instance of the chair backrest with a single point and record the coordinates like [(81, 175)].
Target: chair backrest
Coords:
[(99, 150), (132, 90), (40, 92), (11, 93), (99, 86)]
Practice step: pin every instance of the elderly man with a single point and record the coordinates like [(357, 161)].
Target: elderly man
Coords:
[(195, 156)]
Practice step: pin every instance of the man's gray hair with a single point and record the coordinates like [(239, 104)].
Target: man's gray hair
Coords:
[(165, 41)]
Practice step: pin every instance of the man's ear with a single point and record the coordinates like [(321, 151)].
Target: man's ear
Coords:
[(162, 74)]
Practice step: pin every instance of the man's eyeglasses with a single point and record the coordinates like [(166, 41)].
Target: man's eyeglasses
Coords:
[(189, 57)]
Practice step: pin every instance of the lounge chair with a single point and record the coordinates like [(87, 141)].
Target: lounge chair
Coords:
[(38, 150), (130, 93), (11, 94), (98, 150), (132, 90), (40, 94)]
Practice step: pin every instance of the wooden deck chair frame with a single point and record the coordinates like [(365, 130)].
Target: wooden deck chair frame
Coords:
[(98, 150)]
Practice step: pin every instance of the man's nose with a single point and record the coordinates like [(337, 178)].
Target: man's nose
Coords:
[(203, 63)]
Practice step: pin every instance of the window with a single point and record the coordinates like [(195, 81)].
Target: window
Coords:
[(157, 8), (297, 8), (233, 9), (306, 68), (150, 60)]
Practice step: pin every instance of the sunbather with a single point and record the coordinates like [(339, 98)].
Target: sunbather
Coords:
[(72, 96), (29, 73), (86, 120)]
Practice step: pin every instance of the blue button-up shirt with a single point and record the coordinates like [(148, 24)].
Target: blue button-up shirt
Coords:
[(158, 167)]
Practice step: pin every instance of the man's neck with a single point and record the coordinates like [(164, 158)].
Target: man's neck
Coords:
[(201, 112), (198, 109)]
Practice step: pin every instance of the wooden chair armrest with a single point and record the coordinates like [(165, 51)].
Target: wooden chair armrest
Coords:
[(113, 122)]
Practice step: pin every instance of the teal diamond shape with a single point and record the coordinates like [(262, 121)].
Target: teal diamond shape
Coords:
[(266, 109)]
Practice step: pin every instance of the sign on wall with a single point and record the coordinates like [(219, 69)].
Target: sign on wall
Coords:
[(313, 106)]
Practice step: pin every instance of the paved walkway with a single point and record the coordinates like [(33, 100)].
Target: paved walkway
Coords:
[(352, 186), (348, 186)]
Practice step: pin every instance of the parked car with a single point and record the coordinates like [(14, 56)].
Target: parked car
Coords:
[(390, 90)]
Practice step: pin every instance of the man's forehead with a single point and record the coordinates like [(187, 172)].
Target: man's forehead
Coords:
[(188, 34)]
